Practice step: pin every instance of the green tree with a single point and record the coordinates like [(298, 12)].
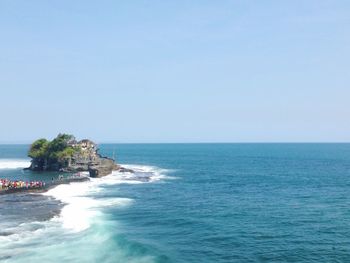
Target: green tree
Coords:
[(38, 149), (57, 152), (66, 153)]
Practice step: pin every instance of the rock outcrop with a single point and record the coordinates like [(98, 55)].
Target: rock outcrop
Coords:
[(65, 154), (88, 159)]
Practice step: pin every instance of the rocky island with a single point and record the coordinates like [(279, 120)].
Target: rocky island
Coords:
[(66, 154)]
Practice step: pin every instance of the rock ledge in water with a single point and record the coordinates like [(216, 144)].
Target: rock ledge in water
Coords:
[(65, 154)]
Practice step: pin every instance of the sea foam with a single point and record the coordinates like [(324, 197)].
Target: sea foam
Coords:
[(82, 223), (82, 206), (14, 163), (82, 202)]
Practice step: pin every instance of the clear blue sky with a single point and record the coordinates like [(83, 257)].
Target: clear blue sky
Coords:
[(175, 71)]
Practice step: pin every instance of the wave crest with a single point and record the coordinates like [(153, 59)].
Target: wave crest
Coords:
[(14, 163), (82, 199)]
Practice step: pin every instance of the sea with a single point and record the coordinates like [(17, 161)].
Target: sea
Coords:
[(185, 203)]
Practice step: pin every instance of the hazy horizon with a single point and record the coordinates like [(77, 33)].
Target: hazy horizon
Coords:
[(175, 72), (208, 142)]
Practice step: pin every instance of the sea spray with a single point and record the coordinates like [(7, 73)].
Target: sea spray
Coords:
[(82, 231), (81, 206), (14, 163)]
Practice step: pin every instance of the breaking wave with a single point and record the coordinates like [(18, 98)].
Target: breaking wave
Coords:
[(82, 206), (82, 223), (14, 163)]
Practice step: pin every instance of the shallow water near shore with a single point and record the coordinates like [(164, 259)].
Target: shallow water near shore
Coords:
[(186, 203)]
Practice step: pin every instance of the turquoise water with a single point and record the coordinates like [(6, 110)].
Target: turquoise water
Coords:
[(200, 203)]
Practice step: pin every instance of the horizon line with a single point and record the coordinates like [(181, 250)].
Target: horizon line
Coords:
[(220, 142)]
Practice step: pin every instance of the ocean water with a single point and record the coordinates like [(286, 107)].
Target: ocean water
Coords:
[(186, 203)]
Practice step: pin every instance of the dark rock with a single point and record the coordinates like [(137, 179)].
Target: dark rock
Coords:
[(125, 170), (86, 158)]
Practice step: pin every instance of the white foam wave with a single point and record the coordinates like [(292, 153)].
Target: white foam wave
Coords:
[(82, 206), (14, 163), (81, 199), (22, 231), (83, 209), (152, 173)]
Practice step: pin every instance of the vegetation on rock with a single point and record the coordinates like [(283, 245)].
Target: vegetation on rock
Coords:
[(65, 154), (56, 152)]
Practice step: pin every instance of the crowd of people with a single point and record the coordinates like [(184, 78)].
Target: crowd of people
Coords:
[(6, 184)]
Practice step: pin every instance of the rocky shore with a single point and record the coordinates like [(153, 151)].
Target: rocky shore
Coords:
[(43, 188), (65, 154)]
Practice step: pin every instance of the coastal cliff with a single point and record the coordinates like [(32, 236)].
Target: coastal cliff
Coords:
[(66, 154)]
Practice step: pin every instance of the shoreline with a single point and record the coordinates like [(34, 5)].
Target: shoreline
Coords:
[(43, 189), (51, 185), (64, 210)]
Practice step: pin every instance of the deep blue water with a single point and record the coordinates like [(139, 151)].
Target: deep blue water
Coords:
[(217, 203)]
